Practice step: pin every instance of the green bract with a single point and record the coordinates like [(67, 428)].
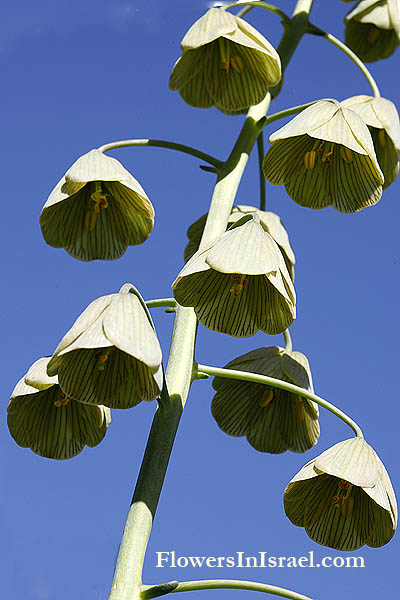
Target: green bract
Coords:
[(239, 283), (41, 417), (382, 119), (111, 355), (325, 156), (373, 29), (344, 498), (273, 420), (97, 210), (270, 222), (225, 63)]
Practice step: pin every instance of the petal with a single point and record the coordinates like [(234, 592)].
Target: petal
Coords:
[(214, 24), (285, 159), (297, 369), (310, 118), (37, 375), (352, 460), (96, 166)]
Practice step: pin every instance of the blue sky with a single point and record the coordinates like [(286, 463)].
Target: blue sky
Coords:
[(79, 74)]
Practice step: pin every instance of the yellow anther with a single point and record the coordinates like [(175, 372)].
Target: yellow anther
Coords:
[(347, 505), (102, 356), (224, 51), (266, 398), (346, 154), (90, 220), (335, 500), (237, 63), (309, 159), (382, 137), (373, 35), (240, 282), (63, 400), (326, 157), (299, 409)]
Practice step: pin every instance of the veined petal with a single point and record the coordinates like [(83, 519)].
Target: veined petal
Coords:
[(190, 65), (310, 118), (96, 166), (352, 460), (37, 375), (214, 24), (127, 327)]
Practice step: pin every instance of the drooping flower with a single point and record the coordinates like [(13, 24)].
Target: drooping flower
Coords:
[(239, 283), (97, 210), (270, 222), (344, 498), (382, 119), (325, 156), (373, 29), (225, 63), (111, 355), (41, 417), (273, 420)]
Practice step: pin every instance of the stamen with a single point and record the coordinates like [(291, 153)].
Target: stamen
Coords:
[(309, 159), (373, 34), (224, 51), (90, 220), (266, 398), (237, 63), (63, 400), (382, 137), (346, 154), (240, 282)]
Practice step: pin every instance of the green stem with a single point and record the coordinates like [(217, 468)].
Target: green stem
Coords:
[(288, 341), (287, 112), (336, 42), (257, 4), (160, 302), (231, 584), (283, 385), (162, 144), (260, 154)]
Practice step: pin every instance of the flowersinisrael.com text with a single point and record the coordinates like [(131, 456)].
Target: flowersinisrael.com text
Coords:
[(259, 560)]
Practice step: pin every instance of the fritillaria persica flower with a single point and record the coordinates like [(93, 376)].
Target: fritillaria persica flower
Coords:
[(325, 156), (373, 29), (111, 355), (273, 420), (344, 498), (382, 119), (41, 417), (97, 210), (225, 63), (269, 221), (239, 283)]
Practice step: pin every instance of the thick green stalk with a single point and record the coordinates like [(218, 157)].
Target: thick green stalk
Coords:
[(283, 385), (179, 374)]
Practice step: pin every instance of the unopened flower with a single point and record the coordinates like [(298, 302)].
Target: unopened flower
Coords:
[(325, 156), (373, 29), (239, 283), (270, 222), (225, 63), (97, 210), (273, 420), (382, 119), (111, 355), (344, 498), (41, 417)]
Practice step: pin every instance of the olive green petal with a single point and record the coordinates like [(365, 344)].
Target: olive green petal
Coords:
[(325, 523), (233, 91), (127, 327), (188, 76), (195, 92), (285, 159), (297, 369), (58, 432), (383, 529), (357, 36), (353, 460), (236, 408), (137, 212), (212, 25), (387, 156), (247, 249), (265, 434)]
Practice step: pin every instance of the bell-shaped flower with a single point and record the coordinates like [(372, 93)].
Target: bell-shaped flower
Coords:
[(383, 123), (239, 283), (225, 63), (111, 355), (41, 417), (373, 29), (97, 210), (273, 420), (344, 498), (270, 222), (325, 156)]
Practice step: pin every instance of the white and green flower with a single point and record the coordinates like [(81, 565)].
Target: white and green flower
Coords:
[(373, 29), (382, 119), (225, 63), (344, 498), (41, 417), (97, 210), (239, 283), (273, 420), (111, 355), (325, 157), (270, 222)]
